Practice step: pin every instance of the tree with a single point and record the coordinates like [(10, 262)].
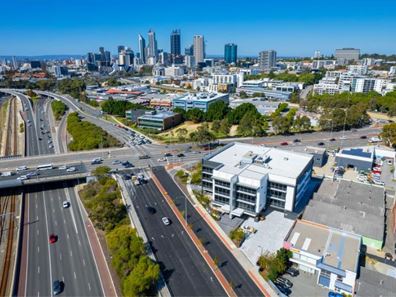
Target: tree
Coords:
[(119, 107), (101, 171), (181, 134), (225, 126), (388, 134), (216, 124), (216, 111), (142, 278), (202, 135), (281, 125), (252, 124), (302, 123), (243, 95), (237, 114), (195, 114)]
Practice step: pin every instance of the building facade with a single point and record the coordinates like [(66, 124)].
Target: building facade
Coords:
[(245, 179), (142, 49), (230, 53), (159, 121), (267, 60), (199, 48), (330, 254), (201, 101), (345, 55)]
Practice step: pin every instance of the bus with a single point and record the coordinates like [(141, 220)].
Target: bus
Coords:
[(45, 167)]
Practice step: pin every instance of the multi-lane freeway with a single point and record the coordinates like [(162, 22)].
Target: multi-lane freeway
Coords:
[(70, 259)]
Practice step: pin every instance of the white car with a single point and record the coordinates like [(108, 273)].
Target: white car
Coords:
[(116, 162), (166, 221), (63, 167), (343, 137), (66, 204), (162, 159), (71, 169), (22, 177)]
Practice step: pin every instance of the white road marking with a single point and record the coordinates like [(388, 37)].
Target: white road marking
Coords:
[(56, 223), (38, 294), (71, 254), (38, 269), (36, 205), (49, 255), (67, 235), (72, 212), (89, 286), (79, 242), (75, 276), (38, 249), (38, 232), (84, 262), (60, 256)]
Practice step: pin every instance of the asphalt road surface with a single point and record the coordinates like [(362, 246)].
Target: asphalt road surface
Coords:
[(70, 259), (185, 271), (229, 266)]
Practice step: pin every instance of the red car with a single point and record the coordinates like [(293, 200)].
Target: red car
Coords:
[(284, 143), (53, 238)]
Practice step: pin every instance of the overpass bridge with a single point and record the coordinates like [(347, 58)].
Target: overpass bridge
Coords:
[(36, 176)]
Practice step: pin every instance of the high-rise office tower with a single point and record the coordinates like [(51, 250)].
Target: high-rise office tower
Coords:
[(175, 46), (142, 49), (345, 55), (120, 48), (267, 60), (152, 45), (189, 51), (230, 53), (199, 48)]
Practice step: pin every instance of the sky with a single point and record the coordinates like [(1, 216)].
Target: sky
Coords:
[(291, 27)]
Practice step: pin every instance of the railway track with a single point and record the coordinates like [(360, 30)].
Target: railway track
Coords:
[(8, 206)]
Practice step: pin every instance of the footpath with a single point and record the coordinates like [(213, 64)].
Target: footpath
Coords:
[(126, 191)]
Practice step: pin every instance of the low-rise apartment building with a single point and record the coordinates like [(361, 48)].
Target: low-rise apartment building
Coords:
[(201, 101), (159, 120), (245, 178)]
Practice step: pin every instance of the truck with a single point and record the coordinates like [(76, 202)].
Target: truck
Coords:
[(7, 173)]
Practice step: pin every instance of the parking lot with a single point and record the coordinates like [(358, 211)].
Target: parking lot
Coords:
[(305, 285)]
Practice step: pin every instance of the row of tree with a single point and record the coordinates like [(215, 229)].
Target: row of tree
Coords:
[(119, 107), (102, 199), (87, 136)]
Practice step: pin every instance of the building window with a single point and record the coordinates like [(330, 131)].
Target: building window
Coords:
[(206, 176), (222, 191), (221, 183), (277, 186), (246, 190), (277, 203), (245, 197), (276, 194), (221, 199), (245, 206)]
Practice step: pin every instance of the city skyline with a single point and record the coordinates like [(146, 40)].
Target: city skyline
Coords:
[(253, 31)]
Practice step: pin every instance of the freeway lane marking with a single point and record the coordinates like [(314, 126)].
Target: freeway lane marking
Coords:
[(49, 254), (38, 249), (38, 269), (72, 209), (60, 256), (75, 276), (89, 286)]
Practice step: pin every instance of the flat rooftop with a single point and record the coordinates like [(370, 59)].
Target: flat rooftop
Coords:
[(201, 96), (349, 206), (337, 249), (373, 283), (158, 115), (256, 161)]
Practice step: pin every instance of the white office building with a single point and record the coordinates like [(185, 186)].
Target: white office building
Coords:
[(245, 178), (267, 60)]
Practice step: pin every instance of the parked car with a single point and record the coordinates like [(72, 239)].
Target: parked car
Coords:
[(292, 271), (321, 143), (284, 290), (142, 157), (284, 281), (168, 155), (332, 139), (363, 137), (284, 143), (296, 140), (116, 162), (71, 169), (181, 155)]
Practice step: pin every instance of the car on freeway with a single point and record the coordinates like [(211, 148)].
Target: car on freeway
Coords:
[(151, 210), (181, 155), (321, 143), (71, 169), (50, 146), (53, 238), (284, 143), (116, 162), (284, 281), (22, 177), (127, 164), (96, 161), (57, 287), (163, 159), (40, 138), (32, 173), (332, 139), (22, 168), (168, 155), (63, 167), (292, 271), (142, 157), (66, 204), (126, 176), (296, 140), (363, 137), (343, 137)]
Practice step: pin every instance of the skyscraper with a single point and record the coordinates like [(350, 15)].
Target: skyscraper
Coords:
[(142, 49), (199, 48), (230, 53), (120, 48), (152, 45), (175, 43), (189, 51), (267, 60)]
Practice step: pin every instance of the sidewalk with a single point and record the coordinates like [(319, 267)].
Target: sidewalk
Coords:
[(252, 271), (162, 287)]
